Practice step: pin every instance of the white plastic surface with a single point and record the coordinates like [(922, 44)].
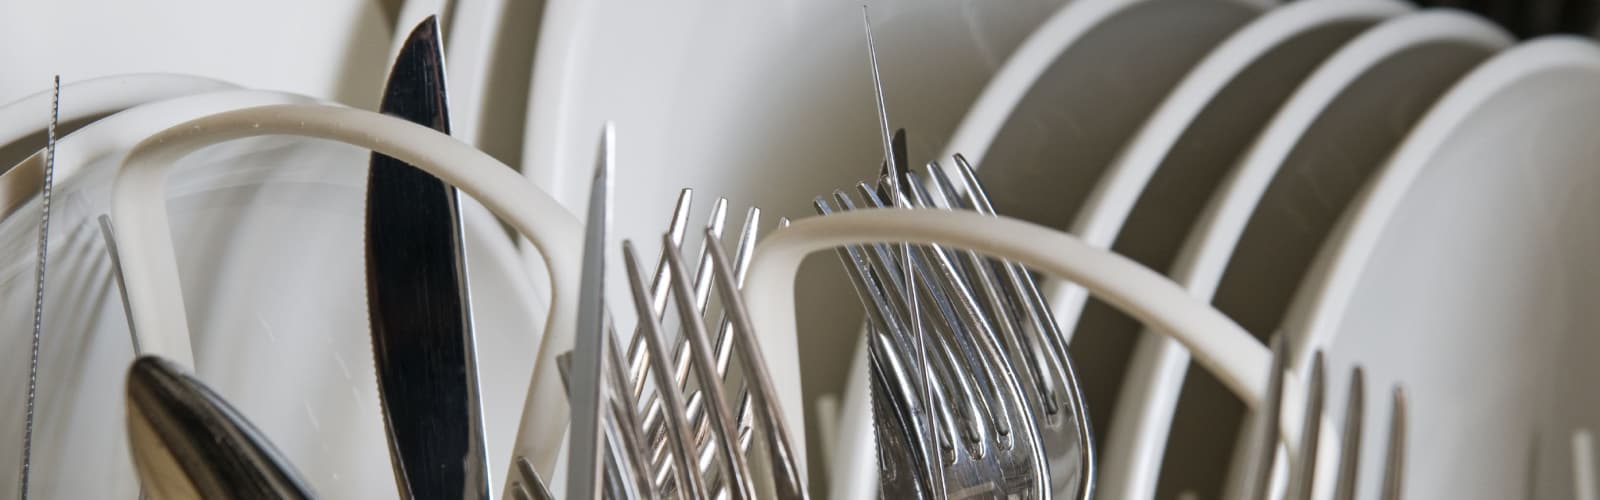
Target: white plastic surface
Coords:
[(1219, 345), (1464, 271)]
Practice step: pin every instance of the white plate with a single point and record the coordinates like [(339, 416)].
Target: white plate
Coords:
[(770, 105), (1140, 50), (23, 121), (503, 37), (1161, 180), (256, 222), (1065, 133), (1465, 271), (1325, 136), (488, 47)]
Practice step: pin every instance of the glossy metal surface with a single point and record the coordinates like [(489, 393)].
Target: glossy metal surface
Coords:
[(188, 443), (689, 482), (38, 290), (1068, 438), (735, 470), (585, 467), (108, 235), (529, 486), (788, 484), (416, 297), (1303, 467)]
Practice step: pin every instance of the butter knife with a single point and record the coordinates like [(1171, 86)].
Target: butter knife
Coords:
[(417, 299)]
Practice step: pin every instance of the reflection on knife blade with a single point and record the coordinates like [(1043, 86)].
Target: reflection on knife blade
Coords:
[(417, 301), (589, 347), (188, 443)]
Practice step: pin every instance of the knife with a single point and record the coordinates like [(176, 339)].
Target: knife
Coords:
[(417, 299), (188, 443), (584, 470)]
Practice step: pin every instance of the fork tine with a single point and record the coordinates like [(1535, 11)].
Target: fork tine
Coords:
[(1271, 411), (624, 408), (652, 423), (637, 354), (531, 486), (880, 265), (945, 188), (1305, 475), (702, 290), (1394, 463), (689, 481), (744, 251), (1043, 320), (782, 457), (736, 472), (1350, 449)]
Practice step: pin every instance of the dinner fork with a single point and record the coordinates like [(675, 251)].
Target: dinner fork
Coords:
[(1303, 465), (987, 443)]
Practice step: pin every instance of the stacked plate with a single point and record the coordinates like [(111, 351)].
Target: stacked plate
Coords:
[(1407, 189)]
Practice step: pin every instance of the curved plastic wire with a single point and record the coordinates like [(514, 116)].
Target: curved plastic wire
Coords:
[(151, 272)]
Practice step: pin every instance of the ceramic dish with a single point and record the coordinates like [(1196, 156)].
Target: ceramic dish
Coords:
[(290, 212), (1108, 52), (487, 63), (1160, 181), (1462, 271), (1277, 204), (1064, 134)]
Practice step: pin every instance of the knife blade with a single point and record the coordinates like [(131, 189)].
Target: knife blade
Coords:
[(189, 443), (589, 347), (417, 299)]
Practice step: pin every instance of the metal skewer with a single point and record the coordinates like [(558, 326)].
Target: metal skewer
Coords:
[(38, 290)]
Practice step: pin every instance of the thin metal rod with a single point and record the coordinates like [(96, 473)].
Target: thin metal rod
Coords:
[(1344, 488), (1394, 463), (1305, 476), (877, 90), (38, 290), (892, 171), (109, 235), (586, 441), (788, 484), (736, 471), (689, 481), (1271, 411)]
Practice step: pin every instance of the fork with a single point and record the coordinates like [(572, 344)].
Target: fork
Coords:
[(987, 441), (1303, 466)]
